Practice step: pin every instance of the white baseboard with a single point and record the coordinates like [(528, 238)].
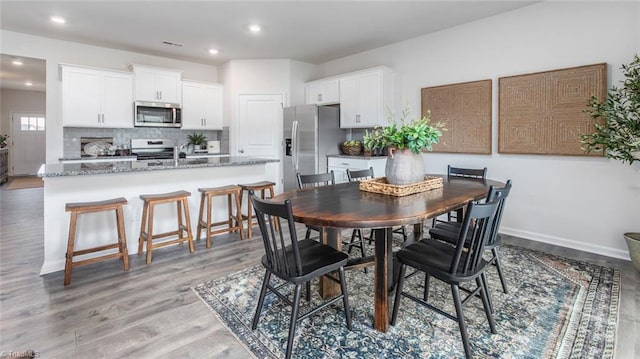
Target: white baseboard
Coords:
[(52, 266), (563, 242)]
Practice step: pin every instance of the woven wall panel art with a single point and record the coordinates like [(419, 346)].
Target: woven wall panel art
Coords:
[(543, 113), (465, 108)]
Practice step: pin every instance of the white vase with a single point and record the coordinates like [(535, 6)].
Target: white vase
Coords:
[(404, 167)]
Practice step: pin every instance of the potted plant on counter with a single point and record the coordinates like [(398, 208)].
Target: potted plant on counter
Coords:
[(373, 142), (198, 140), (618, 132), (406, 140)]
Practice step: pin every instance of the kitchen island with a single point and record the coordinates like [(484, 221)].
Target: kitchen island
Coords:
[(84, 182)]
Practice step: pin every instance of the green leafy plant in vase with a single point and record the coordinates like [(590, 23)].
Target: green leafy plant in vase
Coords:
[(406, 140), (198, 140), (618, 131)]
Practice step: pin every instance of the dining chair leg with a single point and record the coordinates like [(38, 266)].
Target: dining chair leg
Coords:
[(357, 233), (485, 288), (396, 301), (354, 234), (345, 297), (503, 281), (485, 302), (308, 291), (263, 293), (460, 318), (292, 322), (362, 249), (308, 234), (425, 295)]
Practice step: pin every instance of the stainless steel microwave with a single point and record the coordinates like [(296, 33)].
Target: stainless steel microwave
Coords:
[(157, 114)]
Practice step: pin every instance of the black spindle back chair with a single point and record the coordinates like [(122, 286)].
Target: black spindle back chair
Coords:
[(453, 265), (295, 262)]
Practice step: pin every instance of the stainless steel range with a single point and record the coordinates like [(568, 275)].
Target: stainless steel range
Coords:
[(152, 149)]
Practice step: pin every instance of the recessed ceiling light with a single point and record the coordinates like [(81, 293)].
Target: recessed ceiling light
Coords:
[(17, 62), (213, 51), (254, 28), (28, 84), (58, 19)]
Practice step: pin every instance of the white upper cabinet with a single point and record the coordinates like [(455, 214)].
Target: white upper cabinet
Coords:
[(157, 85), (96, 98), (322, 92), (365, 97), (201, 106)]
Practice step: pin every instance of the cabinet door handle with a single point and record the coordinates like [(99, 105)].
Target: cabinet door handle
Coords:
[(320, 97), (160, 92), (205, 122), (357, 118), (98, 118)]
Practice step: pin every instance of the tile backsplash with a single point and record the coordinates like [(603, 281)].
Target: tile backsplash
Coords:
[(123, 136)]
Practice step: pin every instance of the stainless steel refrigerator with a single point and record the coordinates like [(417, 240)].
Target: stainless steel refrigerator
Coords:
[(311, 132)]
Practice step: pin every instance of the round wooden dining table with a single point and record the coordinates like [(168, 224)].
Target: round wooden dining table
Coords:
[(344, 205)]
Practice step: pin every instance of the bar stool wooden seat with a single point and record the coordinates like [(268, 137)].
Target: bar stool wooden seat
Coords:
[(146, 226), (257, 186), (89, 207), (233, 195)]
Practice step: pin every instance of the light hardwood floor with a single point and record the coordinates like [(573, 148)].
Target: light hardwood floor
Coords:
[(150, 311)]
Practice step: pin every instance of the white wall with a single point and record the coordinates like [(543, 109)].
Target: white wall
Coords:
[(251, 77), (56, 52), (19, 101), (301, 72), (280, 76), (584, 203)]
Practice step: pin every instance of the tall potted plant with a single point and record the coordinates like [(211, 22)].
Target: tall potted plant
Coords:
[(618, 132), (406, 140)]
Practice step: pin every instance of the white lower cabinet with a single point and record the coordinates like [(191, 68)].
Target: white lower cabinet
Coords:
[(339, 166)]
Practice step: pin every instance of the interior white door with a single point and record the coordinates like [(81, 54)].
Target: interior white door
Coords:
[(28, 143), (259, 125)]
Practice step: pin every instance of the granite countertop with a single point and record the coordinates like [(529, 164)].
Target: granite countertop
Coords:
[(99, 158), (81, 169), (360, 157)]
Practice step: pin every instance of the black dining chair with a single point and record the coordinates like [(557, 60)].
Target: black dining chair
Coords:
[(454, 265), (459, 172), (314, 180), (297, 263), (358, 175), (327, 179), (447, 231)]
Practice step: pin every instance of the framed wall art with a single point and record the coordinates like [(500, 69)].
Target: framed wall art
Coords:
[(543, 113), (465, 108)]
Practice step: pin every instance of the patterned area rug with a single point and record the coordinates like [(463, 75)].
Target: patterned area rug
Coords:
[(556, 308)]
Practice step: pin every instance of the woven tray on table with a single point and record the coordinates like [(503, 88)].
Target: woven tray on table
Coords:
[(380, 185)]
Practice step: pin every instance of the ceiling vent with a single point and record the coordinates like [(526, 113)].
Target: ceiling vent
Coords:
[(172, 43)]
